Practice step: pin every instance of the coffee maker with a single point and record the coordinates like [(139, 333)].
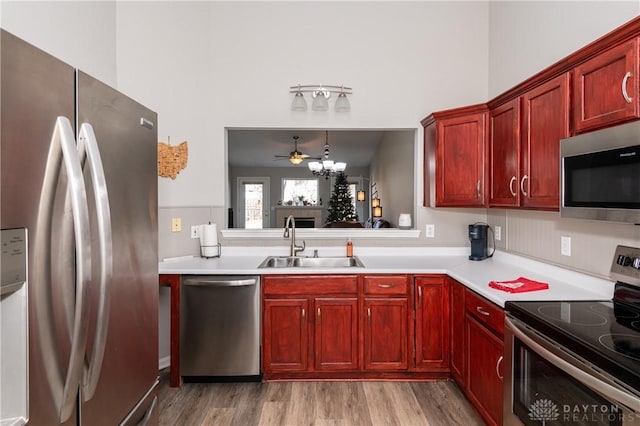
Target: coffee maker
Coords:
[(478, 238)]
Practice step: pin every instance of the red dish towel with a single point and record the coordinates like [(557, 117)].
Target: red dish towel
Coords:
[(520, 285)]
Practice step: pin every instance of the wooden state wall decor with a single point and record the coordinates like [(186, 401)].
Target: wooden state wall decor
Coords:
[(172, 159)]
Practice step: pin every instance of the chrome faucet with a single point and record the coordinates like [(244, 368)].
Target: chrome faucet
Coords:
[(294, 248)]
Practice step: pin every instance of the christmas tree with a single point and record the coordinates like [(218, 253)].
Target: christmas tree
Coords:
[(341, 203)]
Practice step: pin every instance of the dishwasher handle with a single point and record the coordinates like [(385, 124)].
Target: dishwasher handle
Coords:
[(217, 282)]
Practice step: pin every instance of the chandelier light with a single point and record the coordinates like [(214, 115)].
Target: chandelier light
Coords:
[(320, 94), (326, 167)]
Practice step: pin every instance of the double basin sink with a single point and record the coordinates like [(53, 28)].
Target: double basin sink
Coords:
[(310, 262)]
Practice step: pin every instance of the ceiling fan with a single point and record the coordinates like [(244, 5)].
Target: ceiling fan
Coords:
[(295, 157)]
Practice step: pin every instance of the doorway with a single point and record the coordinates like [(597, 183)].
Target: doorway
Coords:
[(253, 202)]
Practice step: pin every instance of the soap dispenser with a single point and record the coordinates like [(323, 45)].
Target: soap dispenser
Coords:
[(349, 248)]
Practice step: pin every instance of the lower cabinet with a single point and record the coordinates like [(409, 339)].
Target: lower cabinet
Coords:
[(458, 333), (336, 334), (484, 350), (310, 323), (432, 323), (386, 333), (485, 371), (285, 335)]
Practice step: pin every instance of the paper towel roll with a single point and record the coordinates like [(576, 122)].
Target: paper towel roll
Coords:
[(209, 240)]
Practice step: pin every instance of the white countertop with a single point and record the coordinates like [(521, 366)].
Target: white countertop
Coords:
[(564, 284)]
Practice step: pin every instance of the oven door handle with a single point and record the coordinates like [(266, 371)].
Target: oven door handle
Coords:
[(608, 391)]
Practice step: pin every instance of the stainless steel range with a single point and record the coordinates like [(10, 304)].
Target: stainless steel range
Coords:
[(576, 363)]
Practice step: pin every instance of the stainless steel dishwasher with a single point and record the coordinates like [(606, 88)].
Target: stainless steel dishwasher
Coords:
[(220, 327)]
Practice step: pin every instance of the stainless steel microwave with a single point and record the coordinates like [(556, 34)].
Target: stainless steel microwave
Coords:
[(600, 175)]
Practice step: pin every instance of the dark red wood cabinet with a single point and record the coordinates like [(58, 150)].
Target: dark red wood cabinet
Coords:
[(606, 88), (310, 323), (336, 331), (484, 328), (386, 322), (432, 331), (285, 339), (545, 112), (458, 333), (504, 147), (455, 155)]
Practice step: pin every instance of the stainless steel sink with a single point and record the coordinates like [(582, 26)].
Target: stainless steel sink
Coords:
[(310, 262)]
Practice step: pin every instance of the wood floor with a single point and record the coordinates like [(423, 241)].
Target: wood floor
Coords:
[(315, 403)]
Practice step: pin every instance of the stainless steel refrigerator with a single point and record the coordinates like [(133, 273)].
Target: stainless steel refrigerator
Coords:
[(78, 165)]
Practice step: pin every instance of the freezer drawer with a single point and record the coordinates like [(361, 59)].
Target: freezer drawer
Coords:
[(219, 326)]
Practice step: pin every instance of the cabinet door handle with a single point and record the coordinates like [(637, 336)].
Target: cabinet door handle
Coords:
[(624, 87), (419, 296), (498, 367), (385, 285), (513, 179), (482, 311), (303, 314), (369, 315), (525, 177), (478, 188), (318, 314)]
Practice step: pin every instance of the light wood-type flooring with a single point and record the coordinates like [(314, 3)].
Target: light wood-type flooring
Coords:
[(315, 403)]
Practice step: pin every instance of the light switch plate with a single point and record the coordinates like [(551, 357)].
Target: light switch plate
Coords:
[(195, 231), (498, 232), (176, 224), (565, 246)]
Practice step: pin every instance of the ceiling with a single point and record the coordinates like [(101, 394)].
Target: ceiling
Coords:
[(257, 147)]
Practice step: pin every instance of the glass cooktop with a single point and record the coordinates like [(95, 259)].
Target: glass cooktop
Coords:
[(605, 333)]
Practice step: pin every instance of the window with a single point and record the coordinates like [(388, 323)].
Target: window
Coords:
[(300, 191)]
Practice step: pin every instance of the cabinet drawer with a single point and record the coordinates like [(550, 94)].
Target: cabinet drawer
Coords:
[(386, 284), (309, 284), (486, 312)]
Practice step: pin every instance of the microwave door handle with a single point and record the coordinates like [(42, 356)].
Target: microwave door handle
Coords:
[(604, 388), (87, 142)]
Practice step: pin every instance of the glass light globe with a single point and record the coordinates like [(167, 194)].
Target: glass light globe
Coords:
[(298, 103), (342, 103)]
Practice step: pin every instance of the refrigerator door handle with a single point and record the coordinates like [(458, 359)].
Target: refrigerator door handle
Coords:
[(63, 140), (87, 144)]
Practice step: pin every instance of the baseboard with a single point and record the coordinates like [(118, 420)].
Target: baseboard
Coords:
[(164, 362)]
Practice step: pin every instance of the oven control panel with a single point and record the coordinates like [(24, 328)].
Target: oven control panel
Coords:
[(626, 265)]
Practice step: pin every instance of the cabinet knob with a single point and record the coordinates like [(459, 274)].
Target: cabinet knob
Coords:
[(624, 87), (513, 179)]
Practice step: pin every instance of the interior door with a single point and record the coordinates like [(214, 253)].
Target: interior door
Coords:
[(253, 203)]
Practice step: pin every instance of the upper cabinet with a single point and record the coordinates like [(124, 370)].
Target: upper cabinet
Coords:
[(606, 88), (545, 120), (508, 157), (504, 154), (455, 155)]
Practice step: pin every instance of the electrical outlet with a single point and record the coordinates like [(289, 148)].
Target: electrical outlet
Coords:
[(430, 231), (176, 224), (195, 231), (565, 246), (498, 232)]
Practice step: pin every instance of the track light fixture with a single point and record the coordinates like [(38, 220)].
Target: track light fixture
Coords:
[(320, 94)]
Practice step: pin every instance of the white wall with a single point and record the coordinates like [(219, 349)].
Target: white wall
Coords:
[(526, 37), (80, 33), (217, 64)]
